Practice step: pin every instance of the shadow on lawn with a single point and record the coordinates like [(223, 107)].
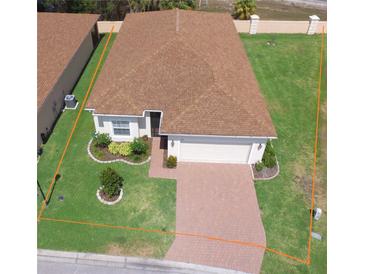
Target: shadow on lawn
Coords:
[(58, 176)]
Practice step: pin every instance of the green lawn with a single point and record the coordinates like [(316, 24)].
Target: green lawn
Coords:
[(288, 78), (147, 202)]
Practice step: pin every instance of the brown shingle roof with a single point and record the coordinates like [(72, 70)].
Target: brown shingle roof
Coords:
[(59, 37), (189, 64)]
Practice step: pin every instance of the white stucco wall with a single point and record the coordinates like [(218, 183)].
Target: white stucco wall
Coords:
[(138, 126), (189, 148), (217, 149), (103, 124)]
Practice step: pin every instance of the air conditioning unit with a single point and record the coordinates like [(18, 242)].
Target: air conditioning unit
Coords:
[(70, 101)]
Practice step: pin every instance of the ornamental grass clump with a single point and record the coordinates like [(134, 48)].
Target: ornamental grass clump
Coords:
[(111, 182)]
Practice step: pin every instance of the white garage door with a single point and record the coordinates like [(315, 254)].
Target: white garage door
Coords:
[(217, 151)]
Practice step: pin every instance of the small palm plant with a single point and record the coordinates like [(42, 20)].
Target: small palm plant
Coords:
[(243, 9)]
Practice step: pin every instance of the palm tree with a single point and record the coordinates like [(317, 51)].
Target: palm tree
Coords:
[(243, 9)]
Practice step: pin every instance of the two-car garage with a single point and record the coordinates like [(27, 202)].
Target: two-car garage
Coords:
[(215, 149)]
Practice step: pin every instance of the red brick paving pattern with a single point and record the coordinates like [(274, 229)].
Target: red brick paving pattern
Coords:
[(217, 200)]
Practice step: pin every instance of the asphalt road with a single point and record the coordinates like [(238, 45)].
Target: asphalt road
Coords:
[(61, 262), (67, 268)]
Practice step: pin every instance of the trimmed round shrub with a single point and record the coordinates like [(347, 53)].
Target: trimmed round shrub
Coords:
[(171, 161), (111, 182), (102, 139), (138, 146)]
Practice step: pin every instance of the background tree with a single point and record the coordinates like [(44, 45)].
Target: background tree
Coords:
[(81, 6), (243, 9), (181, 4), (140, 5), (112, 9)]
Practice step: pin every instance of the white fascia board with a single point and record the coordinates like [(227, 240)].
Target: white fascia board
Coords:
[(90, 109), (124, 115), (198, 135)]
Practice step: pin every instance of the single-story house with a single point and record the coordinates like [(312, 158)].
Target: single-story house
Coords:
[(65, 44), (183, 75)]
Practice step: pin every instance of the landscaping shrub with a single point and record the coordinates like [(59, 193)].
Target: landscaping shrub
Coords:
[(123, 149), (138, 146), (259, 166), (111, 182), (145, 138), (102, 139), (136, 158), (113, 148), (171, 161), (269, 159)]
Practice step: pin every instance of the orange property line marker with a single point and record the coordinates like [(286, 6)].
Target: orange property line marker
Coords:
[(176, 233), (202, 236), (74, 127), (315, 150)]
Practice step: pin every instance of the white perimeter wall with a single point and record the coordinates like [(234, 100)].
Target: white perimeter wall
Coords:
[(243, 26), (106, 26)]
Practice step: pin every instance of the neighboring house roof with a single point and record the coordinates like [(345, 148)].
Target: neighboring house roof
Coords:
[(59, 37), (189, 64)]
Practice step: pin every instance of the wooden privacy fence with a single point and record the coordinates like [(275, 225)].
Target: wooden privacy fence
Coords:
[(252, 26)]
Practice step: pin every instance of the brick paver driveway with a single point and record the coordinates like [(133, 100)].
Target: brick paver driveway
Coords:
[(217, 200)]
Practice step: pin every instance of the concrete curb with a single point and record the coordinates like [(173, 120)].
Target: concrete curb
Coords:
[(128, 262), (113, 161)]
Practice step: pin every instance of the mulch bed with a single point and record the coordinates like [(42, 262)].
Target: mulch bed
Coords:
[(103, 154), (106, 197), (266, 173)]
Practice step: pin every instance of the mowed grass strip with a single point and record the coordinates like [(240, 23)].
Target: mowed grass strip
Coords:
[(147, 202), (287, 70)]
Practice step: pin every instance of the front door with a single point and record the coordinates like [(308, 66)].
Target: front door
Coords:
[(155, 123)]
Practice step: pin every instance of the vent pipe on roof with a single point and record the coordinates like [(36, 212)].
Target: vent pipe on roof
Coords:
[(177, 20)]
